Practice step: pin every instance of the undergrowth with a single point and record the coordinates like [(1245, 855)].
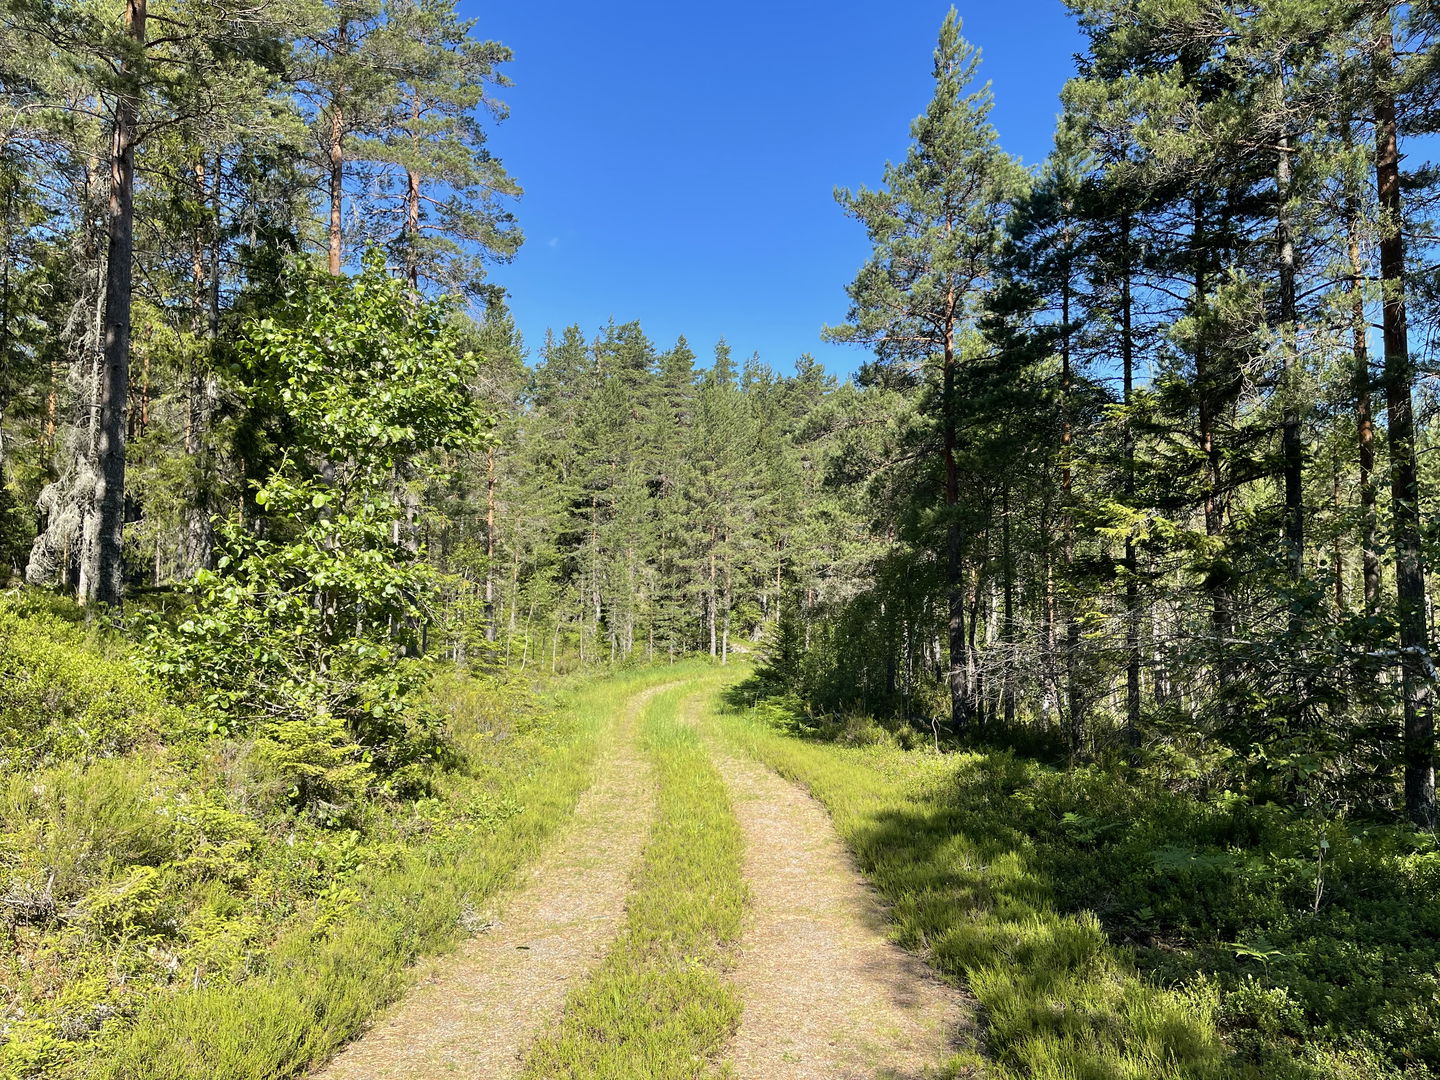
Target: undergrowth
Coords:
[(167, 912), (658, 1007), (1113, 929)]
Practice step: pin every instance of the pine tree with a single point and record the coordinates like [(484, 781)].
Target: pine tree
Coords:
[(451, 195), (937, 227)]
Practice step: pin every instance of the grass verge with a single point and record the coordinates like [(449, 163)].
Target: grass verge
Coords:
[(321, 981), (1057, 1001), (658, 1008), (168, 917)]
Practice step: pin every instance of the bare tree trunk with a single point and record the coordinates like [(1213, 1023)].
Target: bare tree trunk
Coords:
[(1008, 644), (1416, 668), (961, 691), (490, 631), (1292, 449), (1339, 546), (412, 205), (1132, 566), (337, 162), (1364, 413), (204, 325), (103, 576), (725, 624), (1217, 582), (711, 598), (1074, 713)]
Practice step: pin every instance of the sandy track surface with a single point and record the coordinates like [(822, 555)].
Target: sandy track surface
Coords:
[(475, 1012), (826, 995)]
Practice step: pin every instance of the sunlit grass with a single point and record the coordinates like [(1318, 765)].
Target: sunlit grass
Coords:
[(317, 984), (658, 1007), (1057, 1002)]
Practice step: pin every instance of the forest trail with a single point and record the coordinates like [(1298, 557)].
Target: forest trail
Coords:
[(827, 996), (824, 993), (475, 1012)]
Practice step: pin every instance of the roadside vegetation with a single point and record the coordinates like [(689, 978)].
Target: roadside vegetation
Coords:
[(658, 1008), (1130, 510), (169, 910), (1112, 926)]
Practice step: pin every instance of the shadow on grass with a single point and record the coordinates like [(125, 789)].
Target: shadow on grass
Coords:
[(1113, 929)]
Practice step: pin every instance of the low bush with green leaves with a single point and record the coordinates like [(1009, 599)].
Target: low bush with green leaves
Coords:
[(61, 699)]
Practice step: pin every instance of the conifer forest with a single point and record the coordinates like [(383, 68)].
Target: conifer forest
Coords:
[(1051, 696)]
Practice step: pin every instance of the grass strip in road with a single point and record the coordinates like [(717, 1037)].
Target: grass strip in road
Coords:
[(658, 1007), (321, 979), (1058, 1002)]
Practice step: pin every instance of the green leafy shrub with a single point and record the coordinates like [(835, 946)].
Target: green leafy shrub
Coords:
[(305, 635)]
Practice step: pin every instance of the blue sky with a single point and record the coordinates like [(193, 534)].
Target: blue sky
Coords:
[(679, 159)]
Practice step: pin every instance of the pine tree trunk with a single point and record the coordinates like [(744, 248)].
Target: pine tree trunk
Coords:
[(1008, 643), (725, 625), (710, 599), (204, 323), (960, 690), (1339, 546), (1364, 413), (337, 161), (1399, 374), (1074, 718), (490, 631), (103, 573), (1217, 582), (1292, 449), (1132, 567), (412, 203)]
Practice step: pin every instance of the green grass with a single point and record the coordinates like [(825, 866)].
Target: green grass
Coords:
[(320, 981), (658, 1007), (169, 914), (1057, 1002)]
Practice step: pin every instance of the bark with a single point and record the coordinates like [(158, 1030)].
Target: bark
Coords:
[(1217, 582), (1008, 644), (1364, 414), (711, 600), (725, 625), (490, 632), (102, 575), (1132, 578), (960, 691), (1292, 449), (1338, 546), (412, 204), (1399, 376), (337, 160), (1074, 717)]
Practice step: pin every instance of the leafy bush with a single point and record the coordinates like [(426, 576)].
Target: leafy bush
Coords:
[(305, 634)]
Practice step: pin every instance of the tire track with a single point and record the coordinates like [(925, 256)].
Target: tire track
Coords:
[(826, 995), (475, 1012)]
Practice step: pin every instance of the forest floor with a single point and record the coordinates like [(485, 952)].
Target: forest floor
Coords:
[(750, 949)]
